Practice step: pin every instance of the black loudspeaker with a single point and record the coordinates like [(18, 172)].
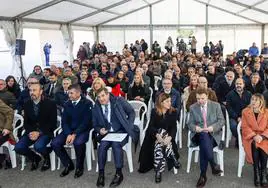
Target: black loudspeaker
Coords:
[(20, 47)]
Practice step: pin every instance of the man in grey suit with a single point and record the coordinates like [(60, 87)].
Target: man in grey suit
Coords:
[(205, 123)]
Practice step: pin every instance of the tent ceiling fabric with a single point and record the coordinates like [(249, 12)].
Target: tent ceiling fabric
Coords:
[(97, 12)]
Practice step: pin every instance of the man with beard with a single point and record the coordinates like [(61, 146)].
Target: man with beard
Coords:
[(236, 101), (40, 120)]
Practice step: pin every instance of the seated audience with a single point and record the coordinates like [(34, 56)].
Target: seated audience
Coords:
[(205, 123), (76, 124), (236, 101), (112, 114), (256, 85), (61, 97), (13, 86), (159, 145), (6, 128), (96, 85), (255, 138), (6, 96), (138, 90), (53, 86), (202, 83), (40, 120), (84, 84)]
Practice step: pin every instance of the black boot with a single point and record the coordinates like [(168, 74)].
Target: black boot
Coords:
[(257, 180), (263, 161), (158, 176), (176, 163)]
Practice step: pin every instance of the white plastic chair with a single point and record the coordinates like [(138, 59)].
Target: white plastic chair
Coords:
[(228, 130), (127, 148), (89, 152), (196, 150), (139, 121), (156, 79), (10, 147), (185, 114), (242, 155), (51, 155), (179, 130), (150, 104)]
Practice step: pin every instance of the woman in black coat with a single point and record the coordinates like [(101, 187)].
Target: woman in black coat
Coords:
[(159, 144), (13, 86), (138, 90)]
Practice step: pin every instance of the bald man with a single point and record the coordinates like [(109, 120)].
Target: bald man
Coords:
[(202, 83), (236, 101)]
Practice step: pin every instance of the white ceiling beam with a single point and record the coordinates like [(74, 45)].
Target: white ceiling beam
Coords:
[(37, 9), (247, 6), (255, 4), (99, 10), (227, 11), (90, 6), (135, 10)]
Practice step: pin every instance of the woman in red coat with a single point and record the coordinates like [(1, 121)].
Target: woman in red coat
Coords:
[(255, 137)]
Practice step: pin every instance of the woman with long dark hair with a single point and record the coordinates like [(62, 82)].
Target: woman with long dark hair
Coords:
[(159, 144), (13, 86)]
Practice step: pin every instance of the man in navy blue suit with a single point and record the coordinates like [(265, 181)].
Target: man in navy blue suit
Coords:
[(76, 124), (112, 115)]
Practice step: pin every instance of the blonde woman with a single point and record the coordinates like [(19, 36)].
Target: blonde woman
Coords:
[(192, 86), (138, 90), (96, 85), (255, 137)]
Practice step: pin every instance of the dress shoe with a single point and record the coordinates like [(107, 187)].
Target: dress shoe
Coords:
[(67, 170), (216, 170), (78, 173), (46, 164), (118, 178), (201, 181), (158, 177), (35, 162), (100, 181)]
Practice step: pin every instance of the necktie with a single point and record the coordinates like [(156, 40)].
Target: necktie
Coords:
[(74, 104), (204, 116), (51, 89), (106, 111)]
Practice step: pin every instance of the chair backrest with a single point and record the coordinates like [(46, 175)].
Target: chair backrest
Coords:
[(227, 120), (17, 118), (240, 144), (138, 105), (156, 79)]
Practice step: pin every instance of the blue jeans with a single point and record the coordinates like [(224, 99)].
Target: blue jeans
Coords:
[(233, 127), (40, 146)]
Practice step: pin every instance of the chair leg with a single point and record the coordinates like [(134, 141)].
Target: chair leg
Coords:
[(58, 163), (52, 160), (196, 156), (23, 164), (1, 150), (190, 152), (72, 153), (175, 170), (221, 161), (12, 155), (88, 156), (109, 155), (93, 152), (129, 158), (241, 162)]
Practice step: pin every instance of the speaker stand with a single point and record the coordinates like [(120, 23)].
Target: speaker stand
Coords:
[(22, 78)]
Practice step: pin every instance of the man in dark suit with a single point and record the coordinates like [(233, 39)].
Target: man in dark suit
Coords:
[(223, 85), (76, 124), (40, 120), (256, 85), (61, 97), (236, 101), (112, 114), (205, 123), (53, 86)]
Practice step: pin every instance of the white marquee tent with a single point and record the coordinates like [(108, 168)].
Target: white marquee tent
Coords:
[(65, 24)]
